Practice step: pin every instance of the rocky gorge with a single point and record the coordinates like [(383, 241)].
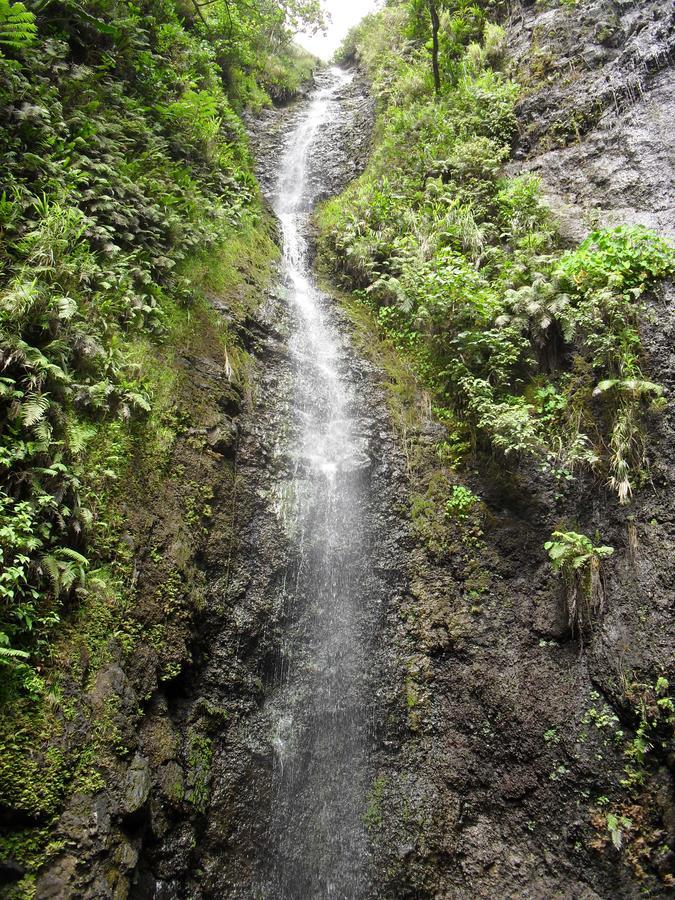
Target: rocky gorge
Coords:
[(458, 740)]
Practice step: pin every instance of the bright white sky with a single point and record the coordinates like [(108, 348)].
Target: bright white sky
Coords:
[(344, 14)]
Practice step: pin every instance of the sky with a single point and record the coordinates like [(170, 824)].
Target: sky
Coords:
[(344, 14)]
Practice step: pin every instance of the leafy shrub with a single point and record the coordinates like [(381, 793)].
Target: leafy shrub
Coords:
[(461, 502), (196, 116), (522, 217), (606, 276), (626, 259), (463, 268)]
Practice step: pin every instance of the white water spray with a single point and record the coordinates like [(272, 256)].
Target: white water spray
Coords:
[(319, 724)]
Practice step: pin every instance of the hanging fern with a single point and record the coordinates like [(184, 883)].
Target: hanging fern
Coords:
[(17, 26), (64, 567), (9, 653), (33, 409)]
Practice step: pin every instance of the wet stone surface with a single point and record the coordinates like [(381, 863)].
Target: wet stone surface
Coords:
[(482, 771), (292, 651)]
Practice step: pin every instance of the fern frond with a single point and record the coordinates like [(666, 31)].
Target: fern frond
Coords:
[(79, 435), (9, 653), (138, 400), (53, 570), (74, 555), (17, 26), (33, 409), (67, 307)]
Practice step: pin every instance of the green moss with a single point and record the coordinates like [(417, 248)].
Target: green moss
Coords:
[(373, 815), (199, 756)]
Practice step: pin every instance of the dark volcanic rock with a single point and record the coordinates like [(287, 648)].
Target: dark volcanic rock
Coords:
[(137, 786), (596, 118)]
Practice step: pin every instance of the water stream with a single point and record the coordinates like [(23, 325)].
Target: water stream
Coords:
[(319, 705)]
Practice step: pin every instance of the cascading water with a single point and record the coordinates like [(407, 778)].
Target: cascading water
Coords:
[(318, 710)]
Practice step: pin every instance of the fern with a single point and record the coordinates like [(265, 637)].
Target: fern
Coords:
[(79, 436), (33, 409), (17, 26), (138, 401), (9, 653), (64, 567), (633, 387), (578, 560), (75, 556), (67, 307)]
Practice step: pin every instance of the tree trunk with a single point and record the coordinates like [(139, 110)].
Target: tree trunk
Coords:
[(435, 25)]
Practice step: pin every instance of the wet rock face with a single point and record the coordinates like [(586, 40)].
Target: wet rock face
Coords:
[(595, 122), (498, 777), (215, 840), (137, 784), (153, 767), (342, 152), (485, 765)]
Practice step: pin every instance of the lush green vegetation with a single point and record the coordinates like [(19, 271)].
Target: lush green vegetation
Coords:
[(127, 199), (123, 159), (527, 350)]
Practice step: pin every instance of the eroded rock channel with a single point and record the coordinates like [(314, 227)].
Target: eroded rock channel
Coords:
[(287, 708)]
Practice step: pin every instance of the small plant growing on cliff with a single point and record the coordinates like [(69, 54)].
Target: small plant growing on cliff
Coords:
[(373, 815), (578, 561), (461, 502), (655, 709), (630, 396), (199, 757), (616, 826)]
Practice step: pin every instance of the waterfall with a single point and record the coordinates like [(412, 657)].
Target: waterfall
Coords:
[(319, 704)]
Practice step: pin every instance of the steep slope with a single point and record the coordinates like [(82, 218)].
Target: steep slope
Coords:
[(532, 753), (134, 251), (595, 113)]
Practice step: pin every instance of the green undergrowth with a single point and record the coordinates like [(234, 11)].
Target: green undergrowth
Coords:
[(53, 742), (526, 350), (124, 174), (133, 250)]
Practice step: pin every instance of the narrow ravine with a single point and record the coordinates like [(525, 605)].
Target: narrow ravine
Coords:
[(337, 450), (289, 700), (319, 705)]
